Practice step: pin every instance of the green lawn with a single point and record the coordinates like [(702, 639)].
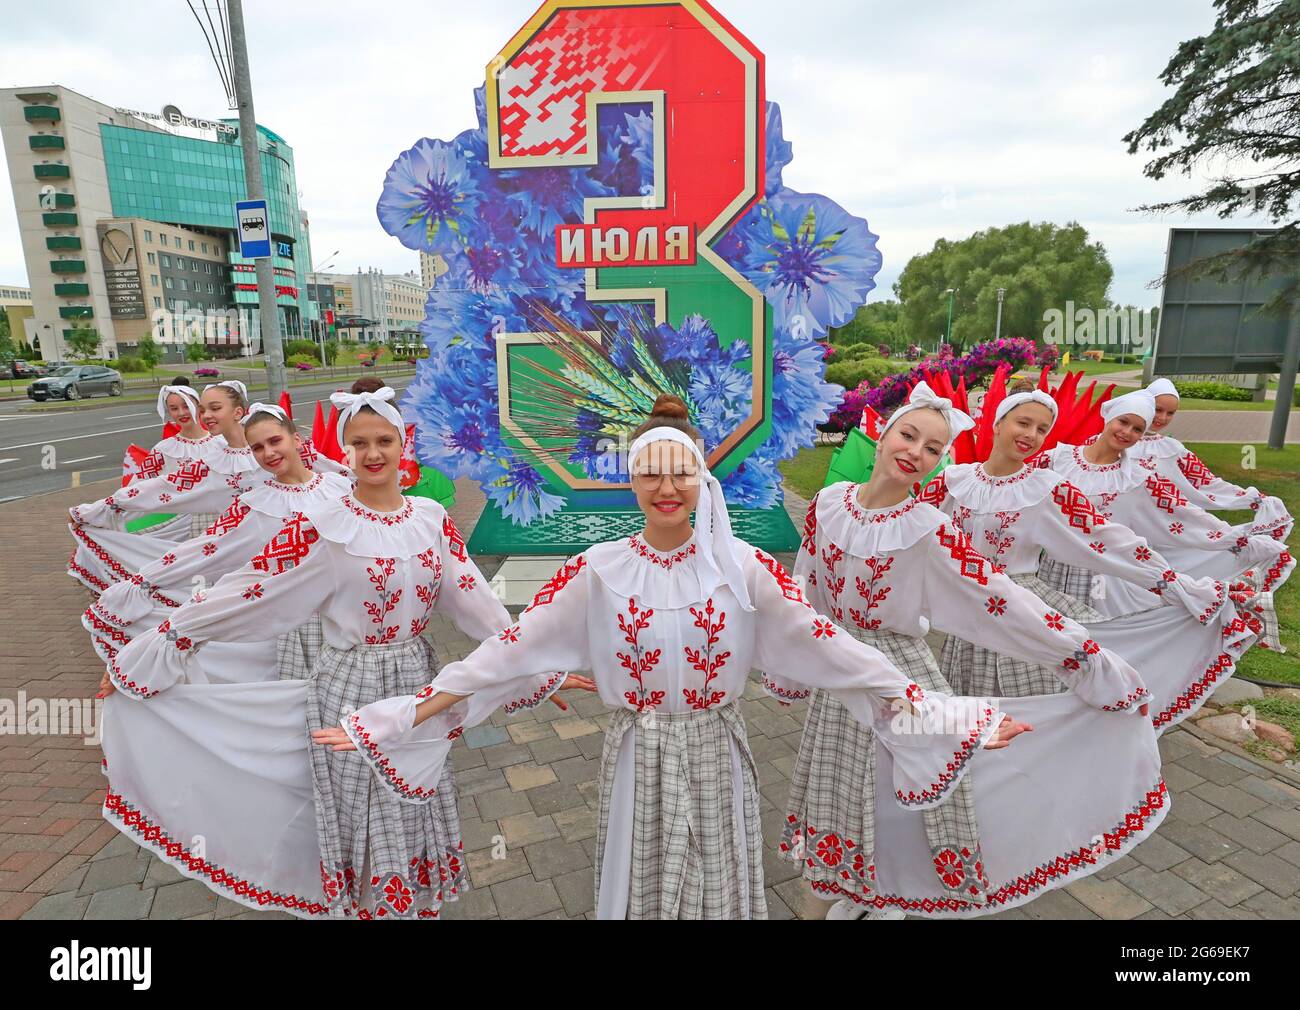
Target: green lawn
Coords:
[(1276, 473)]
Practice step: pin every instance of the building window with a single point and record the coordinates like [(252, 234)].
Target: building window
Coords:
[(153, 280), (208, 267), (148, 235), (182, 263), (192, 246), (166, 261), (162, 237), (152, 259), (157, 302), (167, 282), (185, 285), (178, 241)]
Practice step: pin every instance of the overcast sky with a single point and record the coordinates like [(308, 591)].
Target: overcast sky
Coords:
[(931, 120)]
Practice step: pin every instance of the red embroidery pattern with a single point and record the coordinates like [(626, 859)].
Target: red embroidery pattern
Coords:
[(311, 485), (879, 567), (936, 491), (385, 767), (253, 592), (100, 625), (1134, 826), (384, 518), (997, 606), (1142, 553), (107, 559), (1098, 546), (822, 628), (209, 549), (1176, 529), (288, 547), (466, 583), (168, 559), (1137, 697), (1272, 575), (954, 766), (1054, 620), (1076, 508), (124, 683), (785, 694), (85, 575), (558, 581), (1165, 493), (641, 661), (228, 519), (706, 662), (789, 588), (188, 475), (1190, 700), (1094, 467), (1196, 472), (809, 542), (983, 475), (832, 556), (970, 562), (164, 498), (147, 833), (152, 465), (534, 699), (647, 553), (455, 542), (388, 601), (998, 541), (877, 515)]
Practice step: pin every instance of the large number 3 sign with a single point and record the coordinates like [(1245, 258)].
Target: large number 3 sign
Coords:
[(704, 83)]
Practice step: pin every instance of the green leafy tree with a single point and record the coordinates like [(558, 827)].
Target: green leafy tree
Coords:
[(874, 323), (1041, 266), (149, 352), (83, 342), (1236, 100), (6, 338)]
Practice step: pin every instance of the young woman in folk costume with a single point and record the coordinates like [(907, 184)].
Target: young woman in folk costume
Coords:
[(200, 488), (1174, 461), (1190, 633), (139, 604), (1126, 489), (288, 825), (1083, 788), (671, 620)]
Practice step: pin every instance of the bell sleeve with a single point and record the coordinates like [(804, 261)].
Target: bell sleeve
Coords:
[(965, 595), (550, 635), (288, 580), (931, 736), (191, 488)]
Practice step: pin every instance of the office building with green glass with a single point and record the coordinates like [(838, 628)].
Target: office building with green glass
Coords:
[(89, 180)]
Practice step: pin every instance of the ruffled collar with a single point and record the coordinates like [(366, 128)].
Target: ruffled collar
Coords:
[(665, 579), (1158, 446), (1097, 478), (413, 529), (272, 498), (225, 458), (867, 532), (974, 488)]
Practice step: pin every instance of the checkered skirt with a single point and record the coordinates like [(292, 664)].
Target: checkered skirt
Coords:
[(830, 822), (1072, 580), (380, 858), (982, 673), (690, 859)]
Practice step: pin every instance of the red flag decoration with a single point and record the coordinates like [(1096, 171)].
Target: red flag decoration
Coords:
[(286, 404), (409, 466), (871, 423), (171, 428), (318, 427), (988, 407), (133, 462), (329, 443)]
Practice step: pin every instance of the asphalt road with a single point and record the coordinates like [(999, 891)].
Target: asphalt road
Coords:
[(57, 449)]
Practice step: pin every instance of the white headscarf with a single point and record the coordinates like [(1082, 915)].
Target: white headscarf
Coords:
[(1139, 402), (923, 396), (1013, 401), (715, 544), (264, 408), (234, 384), (187, 391), (1163, 387), (380, 401)]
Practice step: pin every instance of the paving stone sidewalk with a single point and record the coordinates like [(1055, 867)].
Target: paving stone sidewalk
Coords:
[(1230, 847)]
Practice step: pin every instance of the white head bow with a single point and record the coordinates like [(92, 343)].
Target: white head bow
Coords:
[(1163, 387), (923, 396), (264, 408), (1015, 400), (189, 392), (1139, 402), (380, 401), (715, 544), (234, 384)]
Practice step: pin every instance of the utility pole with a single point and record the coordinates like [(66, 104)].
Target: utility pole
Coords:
[(952, 294), (1286, 383), (268, 311), (997, 334)]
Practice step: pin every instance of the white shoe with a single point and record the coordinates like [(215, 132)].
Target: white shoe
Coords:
[(847, 908), (885, 913)]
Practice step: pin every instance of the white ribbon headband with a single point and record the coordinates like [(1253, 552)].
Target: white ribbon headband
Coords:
[(189, 392), (1017, 399), (923, 396), (380, 401), (715, 544), (1163, 387), (233, 384), (263, 408), (1139, 402)]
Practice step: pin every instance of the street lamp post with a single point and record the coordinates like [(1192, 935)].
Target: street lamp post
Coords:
[(952, 294), (320, 323), (997, 335)]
